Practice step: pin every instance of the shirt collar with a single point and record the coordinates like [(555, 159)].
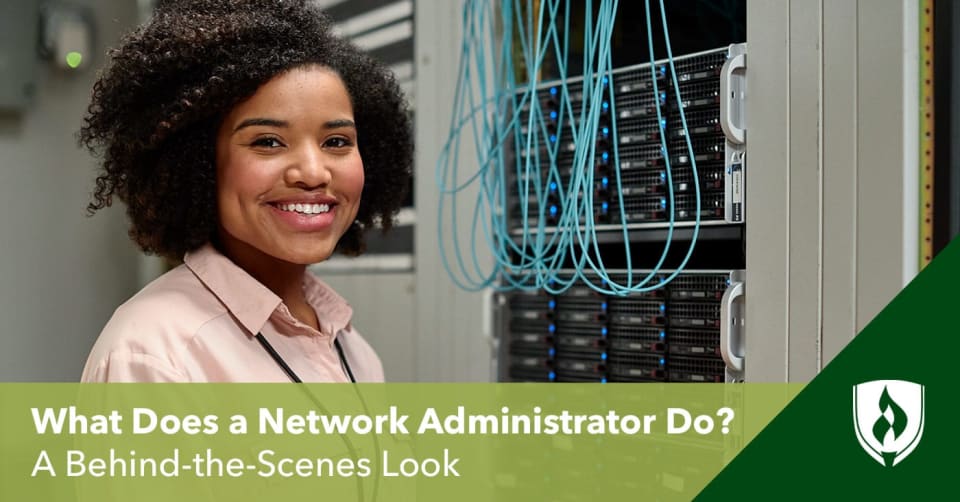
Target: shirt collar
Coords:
[(252, 303), (333, 311)]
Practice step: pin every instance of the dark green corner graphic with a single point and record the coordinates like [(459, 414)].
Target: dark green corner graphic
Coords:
[(811, 451)]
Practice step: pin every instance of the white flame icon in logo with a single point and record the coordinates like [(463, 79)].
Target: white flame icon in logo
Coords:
[(888, 418)]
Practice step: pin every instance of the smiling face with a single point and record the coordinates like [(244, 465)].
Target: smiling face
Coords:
[(289, 174)]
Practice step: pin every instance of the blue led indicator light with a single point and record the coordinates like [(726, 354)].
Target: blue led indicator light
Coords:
[(603, 306), (603, 357), (603, 380), (553, 210), (663, 70), (663, 176), (663, 202), (662, 307), (553, 115), (605, 156), (663, 123), (553, 186), (661, 361), (604, 182), (553, 304), (605, 206), (553, 376), (553, 138), (605, 106), (606, 131), (662, 334), (553, 91), (552, 328), (605, 80), (552, 352), (603, 331)]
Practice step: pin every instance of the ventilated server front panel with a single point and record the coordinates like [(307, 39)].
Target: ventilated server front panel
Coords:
[(670, 334), (636, 154)]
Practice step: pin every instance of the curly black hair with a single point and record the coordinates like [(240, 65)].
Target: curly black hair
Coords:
[(156, 108)]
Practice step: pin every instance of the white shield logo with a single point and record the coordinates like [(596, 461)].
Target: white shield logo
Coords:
[(888, 418)]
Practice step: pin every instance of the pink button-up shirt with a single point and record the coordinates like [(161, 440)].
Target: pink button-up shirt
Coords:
[(197, 323)]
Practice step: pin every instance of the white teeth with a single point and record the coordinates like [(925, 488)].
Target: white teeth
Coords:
[(305, 208)]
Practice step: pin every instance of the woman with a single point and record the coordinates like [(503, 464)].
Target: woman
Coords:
[(250, 142)]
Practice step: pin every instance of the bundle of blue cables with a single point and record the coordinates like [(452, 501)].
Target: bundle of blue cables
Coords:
[(517, 147)]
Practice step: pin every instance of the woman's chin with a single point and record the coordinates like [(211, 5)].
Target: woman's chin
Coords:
[(307, 257)]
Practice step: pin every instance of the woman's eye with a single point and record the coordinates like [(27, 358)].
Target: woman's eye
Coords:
[(267, 143), (338, 142)]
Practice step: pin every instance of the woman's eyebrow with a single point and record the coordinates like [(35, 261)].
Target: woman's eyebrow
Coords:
[(261, 122), (336, 124)]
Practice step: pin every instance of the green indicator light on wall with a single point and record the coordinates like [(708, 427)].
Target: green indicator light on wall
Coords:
[(74, 59)]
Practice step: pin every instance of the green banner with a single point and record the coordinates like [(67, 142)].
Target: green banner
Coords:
[(424, 442), (875, 423)]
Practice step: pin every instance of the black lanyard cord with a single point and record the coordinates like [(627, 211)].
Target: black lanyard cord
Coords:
[(276, 357), (290, 373), (343, 359)]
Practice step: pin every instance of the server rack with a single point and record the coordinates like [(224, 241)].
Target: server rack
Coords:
[(691, 330)]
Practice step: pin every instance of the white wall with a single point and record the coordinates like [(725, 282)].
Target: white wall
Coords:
[(61, 273)]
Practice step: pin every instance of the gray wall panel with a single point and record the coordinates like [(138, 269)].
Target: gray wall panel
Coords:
[(880, 153), (829, 176), (450, 342), (768, 139), (804, 204), (839, 175)]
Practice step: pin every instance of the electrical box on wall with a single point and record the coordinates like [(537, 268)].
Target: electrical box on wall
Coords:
[(19, 20)]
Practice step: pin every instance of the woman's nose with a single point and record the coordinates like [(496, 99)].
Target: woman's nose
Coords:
[(310, 169)]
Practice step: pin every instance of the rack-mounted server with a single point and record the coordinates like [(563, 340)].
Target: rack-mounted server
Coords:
[(689, 330), (711, 86)]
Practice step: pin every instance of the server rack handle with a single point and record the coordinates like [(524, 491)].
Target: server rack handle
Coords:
[(727, 330), (728, 100), (492, 317)]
